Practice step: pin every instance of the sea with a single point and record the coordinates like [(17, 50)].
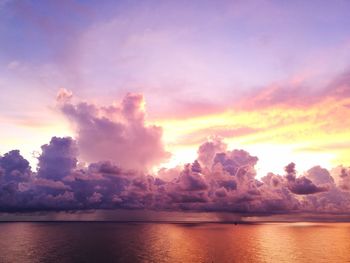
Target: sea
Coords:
[(174, 242)]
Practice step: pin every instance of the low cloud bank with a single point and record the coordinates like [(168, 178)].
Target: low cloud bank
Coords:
[(219, 180)]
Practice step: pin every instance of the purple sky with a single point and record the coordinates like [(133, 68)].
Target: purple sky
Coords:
[(177, 53)]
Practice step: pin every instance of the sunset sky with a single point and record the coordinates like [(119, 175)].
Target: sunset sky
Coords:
[(269, 77)]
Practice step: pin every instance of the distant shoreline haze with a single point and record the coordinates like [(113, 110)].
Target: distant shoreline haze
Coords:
[(121, 215)]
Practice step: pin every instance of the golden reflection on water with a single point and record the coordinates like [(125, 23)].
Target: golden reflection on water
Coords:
[(304, 242), (142, 242), (278, 242), (273, 242)]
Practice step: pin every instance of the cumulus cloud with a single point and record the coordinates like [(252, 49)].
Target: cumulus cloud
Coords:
[(15, 177), (14, 168), (219, 180), (302, 185), (207, 151), (341, 176), (58, 158), (117, 133), (106, 167), (319, 175)]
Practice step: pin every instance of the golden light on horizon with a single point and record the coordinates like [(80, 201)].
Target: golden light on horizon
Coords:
[(278, 135)]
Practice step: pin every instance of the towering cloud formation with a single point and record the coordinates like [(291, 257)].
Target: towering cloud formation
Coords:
[(14, 168), (207, 151), (116, 133), (15, 175), (58, 159)]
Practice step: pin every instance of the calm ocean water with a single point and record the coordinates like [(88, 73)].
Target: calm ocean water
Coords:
[(156, 242)]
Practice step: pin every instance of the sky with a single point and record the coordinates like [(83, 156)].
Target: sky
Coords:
[(150, 86)]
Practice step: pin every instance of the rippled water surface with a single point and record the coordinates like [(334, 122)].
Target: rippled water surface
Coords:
[(153, 242)]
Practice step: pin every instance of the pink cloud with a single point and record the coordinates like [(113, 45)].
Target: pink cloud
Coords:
[(116, 133)]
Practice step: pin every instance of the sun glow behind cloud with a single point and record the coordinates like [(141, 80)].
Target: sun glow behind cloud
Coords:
[(316, 134), (29, 136), (277, 135)]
